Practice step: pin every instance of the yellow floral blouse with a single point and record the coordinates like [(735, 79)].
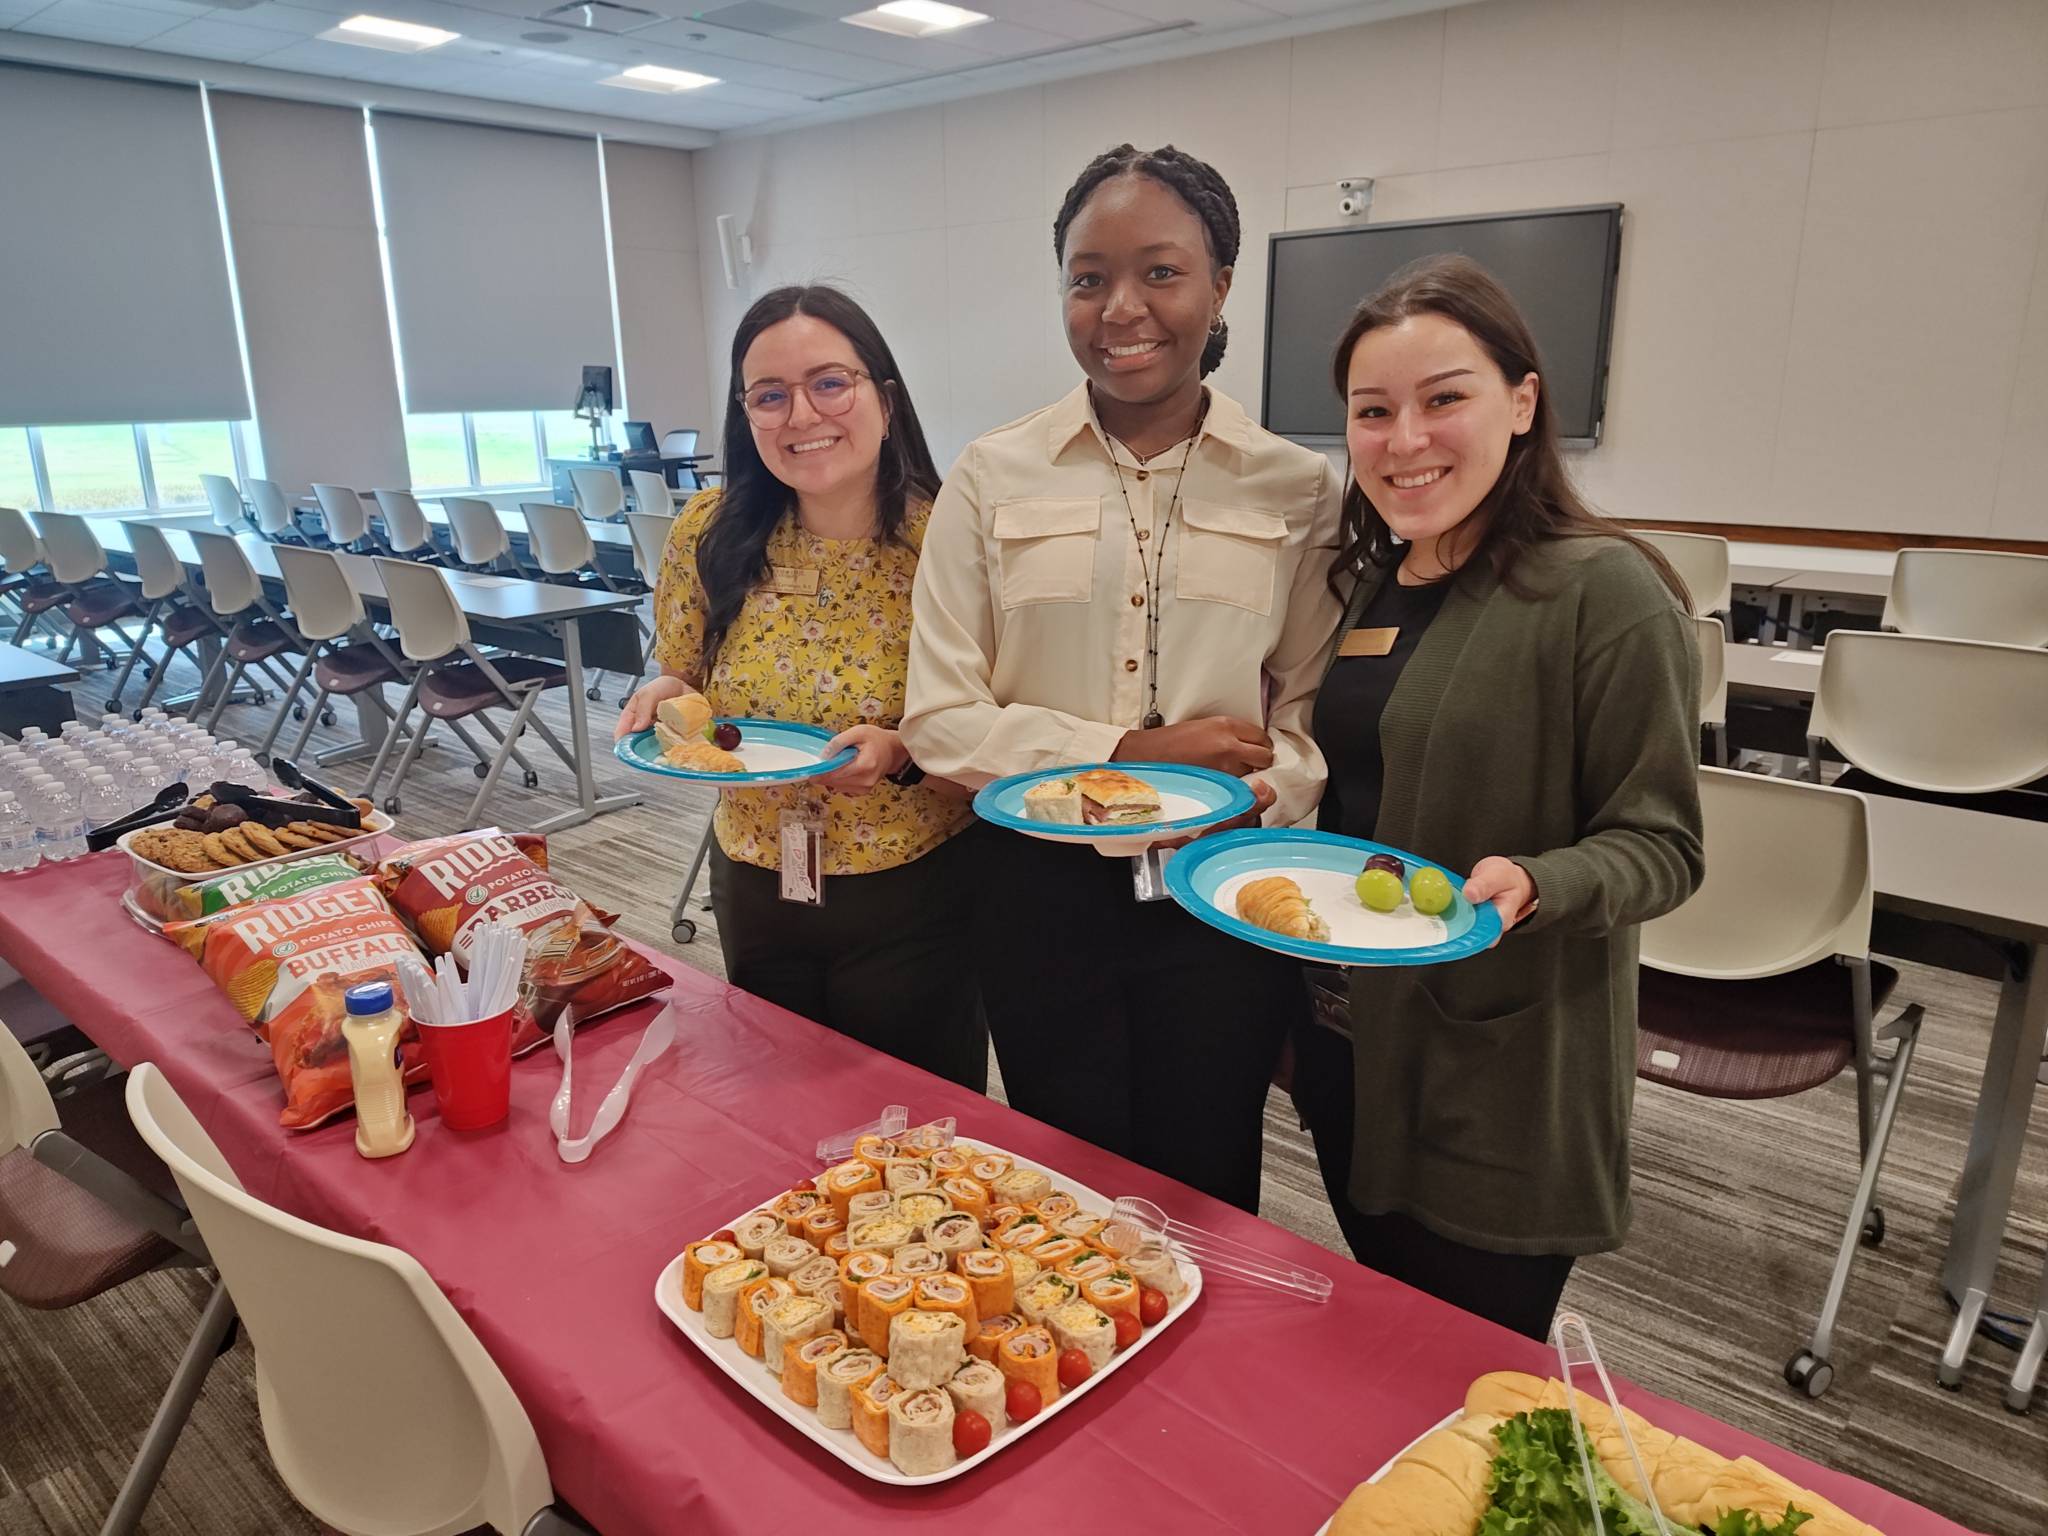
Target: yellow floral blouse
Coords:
[(837, 657)]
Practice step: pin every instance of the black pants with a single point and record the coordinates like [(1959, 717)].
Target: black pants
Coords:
[(887, 959), (1516, 1290), (1129, 1023)]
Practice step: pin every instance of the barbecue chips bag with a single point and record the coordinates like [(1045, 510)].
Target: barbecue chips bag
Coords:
[(445, 886)]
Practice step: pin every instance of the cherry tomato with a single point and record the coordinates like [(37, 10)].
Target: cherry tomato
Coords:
[(1151, 1307), (1021, 1401), (971, 1432), (1074, 1368), (723, 1235), (1127, 1330)]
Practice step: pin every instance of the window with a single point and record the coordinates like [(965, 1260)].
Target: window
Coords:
[(489, 450), (436, 452), (118, 467), (505, 448), (567, 437)]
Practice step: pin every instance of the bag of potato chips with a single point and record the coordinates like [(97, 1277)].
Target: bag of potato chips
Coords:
[(445, 886), (286, 965), (265, 882)]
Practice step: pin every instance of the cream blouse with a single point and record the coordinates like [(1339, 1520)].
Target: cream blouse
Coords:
[(1028, 639)]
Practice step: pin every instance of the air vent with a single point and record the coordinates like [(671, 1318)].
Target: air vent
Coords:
[(759, 18), (605, 16), (544, 37)]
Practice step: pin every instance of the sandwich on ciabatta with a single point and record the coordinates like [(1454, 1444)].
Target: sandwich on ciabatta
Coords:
[(1111, 797)]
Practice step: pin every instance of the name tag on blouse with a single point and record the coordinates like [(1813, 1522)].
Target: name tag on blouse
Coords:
[(1368, 642), (792, 581)]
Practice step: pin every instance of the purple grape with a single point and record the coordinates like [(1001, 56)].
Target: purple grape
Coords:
[(1389, 863), (727, 738)]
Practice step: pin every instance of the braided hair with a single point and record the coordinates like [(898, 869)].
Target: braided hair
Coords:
[(1195, 182)]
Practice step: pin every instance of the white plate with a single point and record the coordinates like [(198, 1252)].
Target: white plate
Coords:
[(1388, 1465), (843, 1443)]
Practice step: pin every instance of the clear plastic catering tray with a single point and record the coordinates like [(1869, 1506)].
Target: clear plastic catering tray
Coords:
[(151, 886), (751, 1374)]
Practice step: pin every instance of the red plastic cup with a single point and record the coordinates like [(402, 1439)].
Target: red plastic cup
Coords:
[(471, 1065)]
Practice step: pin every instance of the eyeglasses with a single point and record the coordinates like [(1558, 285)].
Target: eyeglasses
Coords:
[(830, 393)]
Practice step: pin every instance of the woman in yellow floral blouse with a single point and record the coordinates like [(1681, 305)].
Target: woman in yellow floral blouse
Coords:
[(786, 596)]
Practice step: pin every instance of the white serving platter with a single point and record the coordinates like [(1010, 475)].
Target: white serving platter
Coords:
[(752, 1375)]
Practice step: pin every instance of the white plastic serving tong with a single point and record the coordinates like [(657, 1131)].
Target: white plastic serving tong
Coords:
[(838, 1147), (1573, 1341), (659, 1036), (1134, 1220)]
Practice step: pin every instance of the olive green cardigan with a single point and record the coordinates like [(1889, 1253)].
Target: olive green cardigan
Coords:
[(1494, 1093)]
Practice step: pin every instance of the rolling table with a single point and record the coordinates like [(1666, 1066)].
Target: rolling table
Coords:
[(32, 690)]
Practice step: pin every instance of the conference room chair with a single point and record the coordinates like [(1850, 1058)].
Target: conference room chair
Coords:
[(28, 584), (86, 1207), (274, 517), (382, 1413), (79, 563), (1762, 986), (681, 443), (651, 495), (600, 494), (257, 632), (477, 532), (1713, 643), (1701, 560), (177, 609), (560, 547), (1951, 717), (345, 656), (224, 500), (456, 681), (1970, 594), (407, 533), (343, 518)]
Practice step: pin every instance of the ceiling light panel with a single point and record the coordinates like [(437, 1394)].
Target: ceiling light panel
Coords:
[(916, 18), (657, 77), (392, 36)]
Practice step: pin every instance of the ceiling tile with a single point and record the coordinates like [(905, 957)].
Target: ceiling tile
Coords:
[(221, 40), (98, 21)]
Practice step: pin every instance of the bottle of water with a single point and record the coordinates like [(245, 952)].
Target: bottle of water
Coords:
[(241, 767), (103, 801), (17, 835), (60, 823)]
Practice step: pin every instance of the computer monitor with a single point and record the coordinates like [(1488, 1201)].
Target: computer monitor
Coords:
[(640, 437), (597, 388)]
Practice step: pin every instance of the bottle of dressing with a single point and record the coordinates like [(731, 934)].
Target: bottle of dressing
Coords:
[(371, 1030)]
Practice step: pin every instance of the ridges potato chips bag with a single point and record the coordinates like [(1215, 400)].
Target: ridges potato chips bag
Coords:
[(265, 882), (286, 965), (446, 886)]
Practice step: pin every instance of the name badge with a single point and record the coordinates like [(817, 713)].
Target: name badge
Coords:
[(1368, 642), (793, 580)]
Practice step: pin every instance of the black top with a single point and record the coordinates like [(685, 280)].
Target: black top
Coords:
[(1346, 724)]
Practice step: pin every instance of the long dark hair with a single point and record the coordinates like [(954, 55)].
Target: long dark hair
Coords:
[(1534, 498), (732, 556), (1196, 182)]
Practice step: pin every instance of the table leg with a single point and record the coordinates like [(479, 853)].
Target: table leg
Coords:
[(2005, 1098), (587, 802)]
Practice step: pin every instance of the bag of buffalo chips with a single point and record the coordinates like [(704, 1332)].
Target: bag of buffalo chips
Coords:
[(446, 886), (286, 965)]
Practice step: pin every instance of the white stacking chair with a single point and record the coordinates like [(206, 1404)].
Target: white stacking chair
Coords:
[(178, 608), (343, 515), (600, 494), (455, 680), (477, 531), (1970, 594), (651, 494), (649, 532), (383, 1414), (257, 632), (274, 519), (1955, 717), (1701, 560), (224, 501), (28, 585), (681, 443), (79, 564), (1762, 986), (1713, 642), (561, 547), (407, 533), (345, 656)]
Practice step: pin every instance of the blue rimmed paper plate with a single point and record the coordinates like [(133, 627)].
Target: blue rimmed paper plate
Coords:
[(774, 752), (1189, 800), (1206, 876)]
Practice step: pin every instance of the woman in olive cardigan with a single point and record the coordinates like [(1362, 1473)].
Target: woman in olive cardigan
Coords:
[(1514, 692)]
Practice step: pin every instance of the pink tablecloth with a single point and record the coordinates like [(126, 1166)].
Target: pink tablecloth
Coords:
[(1254, 1414)]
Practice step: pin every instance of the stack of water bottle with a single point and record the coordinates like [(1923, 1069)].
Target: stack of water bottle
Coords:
[(54, 790)]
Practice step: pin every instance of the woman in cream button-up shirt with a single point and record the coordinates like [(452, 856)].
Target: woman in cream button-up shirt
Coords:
[(1055, 544)]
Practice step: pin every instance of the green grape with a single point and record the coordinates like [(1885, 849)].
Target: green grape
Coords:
[(1380, 889), (1430, 892)]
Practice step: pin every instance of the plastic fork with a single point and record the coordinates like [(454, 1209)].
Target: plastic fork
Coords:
[(658, 1037), (1209, 1250)]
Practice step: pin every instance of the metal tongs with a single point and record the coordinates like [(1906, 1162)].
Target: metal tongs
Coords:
[(1134, 1221), (658, 1037), (1573, 1341)]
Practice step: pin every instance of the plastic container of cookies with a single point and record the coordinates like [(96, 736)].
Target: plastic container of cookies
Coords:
[(151, 885)]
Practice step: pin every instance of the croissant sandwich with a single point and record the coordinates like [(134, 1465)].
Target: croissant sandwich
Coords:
[(1276, 903), (700, 756)]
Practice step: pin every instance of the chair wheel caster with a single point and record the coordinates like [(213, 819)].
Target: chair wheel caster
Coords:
[(298, 711), (1873, 1227), (391, 805), (685, 931), (531, 779), (327, 718), (595, 695), (481, 770), (106, 663), (1805, 1374), (135, 715)]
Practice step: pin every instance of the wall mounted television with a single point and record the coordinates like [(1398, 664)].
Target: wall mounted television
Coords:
[(1559, 263)]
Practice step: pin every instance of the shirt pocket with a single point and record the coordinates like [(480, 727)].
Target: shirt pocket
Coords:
[(1228, 555), (1046, 549)]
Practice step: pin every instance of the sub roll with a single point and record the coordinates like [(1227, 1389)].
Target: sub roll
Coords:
[(994, 1329), (1023, 1186), (699, 1259), (1029, 1354), (881, 1301), (755, 1299), (1084, 1326), (954, 1233), (788, 1322), (801, 1364), (838, 1377), (926, 1348), (1116, 1291), (787, 1254), (871, 1401), (978, 1387), (855, 1270), (916, 1259), (722, 1288), (1154, 1267), (988, 1276), (921, 1432), (967, 1194), (754, 1233), (949, 1293)]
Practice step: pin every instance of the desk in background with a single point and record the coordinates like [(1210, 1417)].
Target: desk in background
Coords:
[(679, 470), (32, 690)]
